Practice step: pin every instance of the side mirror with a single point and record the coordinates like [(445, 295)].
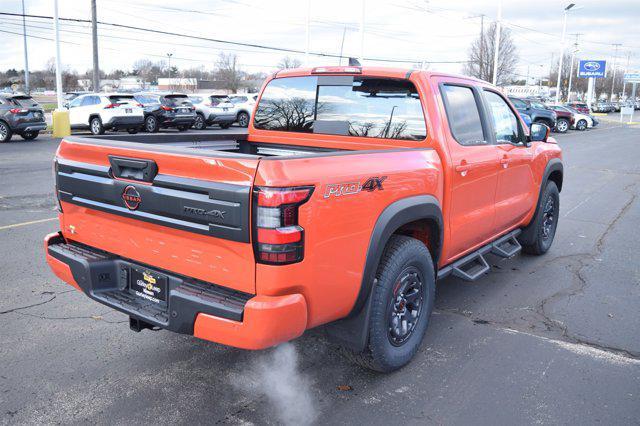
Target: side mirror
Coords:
[(539, 132), (66, 105)]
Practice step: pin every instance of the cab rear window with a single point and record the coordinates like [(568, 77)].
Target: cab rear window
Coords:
[(359, 106)]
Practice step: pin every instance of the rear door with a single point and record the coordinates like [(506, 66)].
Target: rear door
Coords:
[(180, 212), (474, 160)]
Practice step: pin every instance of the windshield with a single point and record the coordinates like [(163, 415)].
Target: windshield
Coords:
[(25, 102), (363, 106)]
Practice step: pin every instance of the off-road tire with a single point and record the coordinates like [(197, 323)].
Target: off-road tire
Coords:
[(536, 239), (96, 126), (5, 132), (401, 254), (29, 136)]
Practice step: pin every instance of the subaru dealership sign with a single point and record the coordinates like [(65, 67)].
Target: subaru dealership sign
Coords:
[(592, 69)]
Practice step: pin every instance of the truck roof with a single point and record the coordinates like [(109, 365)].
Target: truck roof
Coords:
[(390, 72)]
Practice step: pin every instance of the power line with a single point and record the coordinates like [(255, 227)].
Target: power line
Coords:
[(235, 43)]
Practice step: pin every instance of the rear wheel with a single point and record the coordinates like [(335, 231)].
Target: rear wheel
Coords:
[(96, 126), (151, 124), (199, 123), (29, 136), (562, 125), (581, 125), (243, 119), (5, 132), (403, 296), (538, 236)]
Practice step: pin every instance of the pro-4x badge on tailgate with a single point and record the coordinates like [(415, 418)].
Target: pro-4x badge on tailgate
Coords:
[(350, 188)]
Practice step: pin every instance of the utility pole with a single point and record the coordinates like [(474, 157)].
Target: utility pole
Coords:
[(564, 33), (344, 33), (169, 55), (56, 30), (94, 34), (613, 80), (496, 47), (26, 56), (308, 35), (362, 32), (573, 57), (481, 58), (425, 36)]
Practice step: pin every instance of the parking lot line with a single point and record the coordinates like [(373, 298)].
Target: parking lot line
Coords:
[(32, 222)]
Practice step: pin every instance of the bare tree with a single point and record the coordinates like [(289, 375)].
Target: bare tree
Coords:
[(289, 62), (228, 71), (480, 64)]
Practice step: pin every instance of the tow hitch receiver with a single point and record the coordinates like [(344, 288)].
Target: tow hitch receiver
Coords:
[(139, 325)]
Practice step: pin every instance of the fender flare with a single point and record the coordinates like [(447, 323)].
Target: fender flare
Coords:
[(554, 165), (353, 331)]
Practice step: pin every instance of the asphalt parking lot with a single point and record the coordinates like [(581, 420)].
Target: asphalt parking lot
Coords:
[(552, 339)]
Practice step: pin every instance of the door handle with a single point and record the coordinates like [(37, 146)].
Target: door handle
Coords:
[(504, 161)]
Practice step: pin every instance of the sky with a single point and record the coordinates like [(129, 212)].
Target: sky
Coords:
[(436, 31)]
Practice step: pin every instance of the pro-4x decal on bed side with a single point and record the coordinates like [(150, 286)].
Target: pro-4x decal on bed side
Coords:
[(351, 188)]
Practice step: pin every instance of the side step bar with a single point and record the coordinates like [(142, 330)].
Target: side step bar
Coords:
[(474, 265)]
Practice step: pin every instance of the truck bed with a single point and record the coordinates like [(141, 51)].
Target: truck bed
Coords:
[(206, 144)]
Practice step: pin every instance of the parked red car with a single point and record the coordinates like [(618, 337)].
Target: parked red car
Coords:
[(565, 120), (581, 107)]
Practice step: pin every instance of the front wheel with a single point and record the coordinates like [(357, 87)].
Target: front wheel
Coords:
[(151, 124), (582, 125), (538, 235), (403, 296), (29, 136), (243, 119), (96, 126), (562, 125)]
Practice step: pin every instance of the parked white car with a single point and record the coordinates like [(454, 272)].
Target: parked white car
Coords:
[(101, 111), (582, 121), (212, 109), (244, 104)]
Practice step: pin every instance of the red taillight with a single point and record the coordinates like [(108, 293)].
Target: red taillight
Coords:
[(111, 106), (18, 111), (166, 108), (279, 239)]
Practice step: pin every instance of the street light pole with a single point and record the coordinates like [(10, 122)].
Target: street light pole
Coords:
[(362, 32), (94, 37), (573, 56), (564, 33), (26, 56), (613, 80), (308, 35), (496, 47), (56, 27)]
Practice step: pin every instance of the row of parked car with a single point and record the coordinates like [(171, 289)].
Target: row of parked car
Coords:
[(606, 106), (153, 111), (559, 118)]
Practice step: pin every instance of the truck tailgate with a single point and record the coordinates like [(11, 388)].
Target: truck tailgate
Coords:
[(181, 212)]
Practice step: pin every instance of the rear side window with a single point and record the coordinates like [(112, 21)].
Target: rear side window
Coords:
[(366, 107), (463, 115), (90, 100)]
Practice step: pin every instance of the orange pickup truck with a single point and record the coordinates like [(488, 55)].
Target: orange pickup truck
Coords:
[(355, 189)]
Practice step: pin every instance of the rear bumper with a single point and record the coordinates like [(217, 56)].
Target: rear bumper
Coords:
[(194, 307), (120, 122), (34, 126), (221, 118), (168, 121)]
